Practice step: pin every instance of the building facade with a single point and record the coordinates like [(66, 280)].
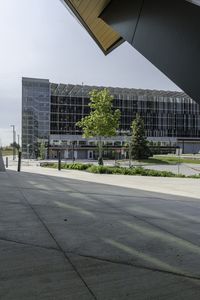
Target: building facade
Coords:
[(50, 112), (36, 110)]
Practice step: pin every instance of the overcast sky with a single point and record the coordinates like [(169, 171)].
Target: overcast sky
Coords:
[(40, 38)]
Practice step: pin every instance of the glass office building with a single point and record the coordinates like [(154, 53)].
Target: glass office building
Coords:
[(50, 112), (35, 114)]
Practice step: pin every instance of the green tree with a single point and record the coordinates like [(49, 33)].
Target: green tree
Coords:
[(102, 120), (42, 150), (139, 143)]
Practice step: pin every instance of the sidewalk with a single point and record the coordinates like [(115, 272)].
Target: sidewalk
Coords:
[(172, 186)]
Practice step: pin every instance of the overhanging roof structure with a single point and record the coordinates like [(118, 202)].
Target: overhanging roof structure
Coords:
[(167, 33), (87, 12)]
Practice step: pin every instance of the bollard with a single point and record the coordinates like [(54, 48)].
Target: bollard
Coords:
[(6, 162), (59, 161), (19, 161)]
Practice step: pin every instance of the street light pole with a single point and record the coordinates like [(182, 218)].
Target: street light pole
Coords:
[(73, 158), (13, 127), (129, 153), (28, 151), (82, 101), (18, 139)]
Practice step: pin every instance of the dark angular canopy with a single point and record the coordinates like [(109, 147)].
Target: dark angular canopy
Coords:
[(167, 33)]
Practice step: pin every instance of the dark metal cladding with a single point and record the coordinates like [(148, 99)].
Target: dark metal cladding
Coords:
[(123, 17), (167, 33)]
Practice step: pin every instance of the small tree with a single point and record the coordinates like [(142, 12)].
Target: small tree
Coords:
[(42, 150), (139, 143), (102, 120)]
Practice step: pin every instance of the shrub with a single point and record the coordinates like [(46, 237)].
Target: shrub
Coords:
[(75, 166), (49, 165), (117, 170), (197, 176), (100, 161), (100, 169), (132, 171)]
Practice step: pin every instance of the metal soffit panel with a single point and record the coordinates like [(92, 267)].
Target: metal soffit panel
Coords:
[(88, 12)]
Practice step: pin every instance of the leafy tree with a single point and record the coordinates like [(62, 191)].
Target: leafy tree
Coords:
[(42, 150), (139, 143), (102, 120)]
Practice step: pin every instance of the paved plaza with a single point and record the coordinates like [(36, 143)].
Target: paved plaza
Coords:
[(66, 238)]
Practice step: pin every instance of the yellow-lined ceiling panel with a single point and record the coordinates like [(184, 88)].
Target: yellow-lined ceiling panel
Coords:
[(88, 11)]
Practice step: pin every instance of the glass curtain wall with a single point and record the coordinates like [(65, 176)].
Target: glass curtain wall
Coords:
[(35, 115), (165, 114)]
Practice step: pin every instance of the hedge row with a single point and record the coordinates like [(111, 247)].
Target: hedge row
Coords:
[(75, 166), (117, 170), (131, 171)]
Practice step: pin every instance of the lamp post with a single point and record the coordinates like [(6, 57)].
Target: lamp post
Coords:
[(14, 134), (178, 152), (82, 113), (18, 139), (73, 158), (28, 151)]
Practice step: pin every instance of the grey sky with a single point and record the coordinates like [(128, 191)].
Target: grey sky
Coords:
[(40, 38)]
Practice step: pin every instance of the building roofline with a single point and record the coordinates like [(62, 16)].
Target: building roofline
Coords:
[(78, 90), (35, 79)]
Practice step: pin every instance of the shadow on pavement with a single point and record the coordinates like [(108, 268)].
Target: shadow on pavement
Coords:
[(94, 241)]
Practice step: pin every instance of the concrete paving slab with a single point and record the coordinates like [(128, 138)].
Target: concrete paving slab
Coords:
[(123, 281), (72, 200), (171, 186), (36, 273), (19, 223), (96, 241), (123, 238), (120, 231)]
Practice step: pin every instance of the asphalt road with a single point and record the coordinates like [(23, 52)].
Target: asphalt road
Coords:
[(68, 239)]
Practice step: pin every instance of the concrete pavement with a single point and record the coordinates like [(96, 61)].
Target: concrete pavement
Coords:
[(63, 238), (174, 186)]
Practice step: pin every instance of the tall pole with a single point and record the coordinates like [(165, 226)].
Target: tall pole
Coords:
[(73, 158), (82, 101), (28, 151), (129, 153), (14, 134), (59, 160)]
